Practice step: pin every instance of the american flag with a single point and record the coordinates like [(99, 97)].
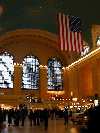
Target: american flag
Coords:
[(70, 33)]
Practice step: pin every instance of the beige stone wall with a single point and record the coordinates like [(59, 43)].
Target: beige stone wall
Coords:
[(83, 79), (21, 43), (73, 81)]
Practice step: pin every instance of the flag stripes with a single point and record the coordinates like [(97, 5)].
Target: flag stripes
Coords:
[(69, 40)]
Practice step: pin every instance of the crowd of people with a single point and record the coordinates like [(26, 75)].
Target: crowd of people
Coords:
[(17, 117), (36, 117)]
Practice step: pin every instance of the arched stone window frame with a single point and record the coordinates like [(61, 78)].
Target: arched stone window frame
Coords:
[(6, 70), (98, 41), (32, 83), (54, 83)]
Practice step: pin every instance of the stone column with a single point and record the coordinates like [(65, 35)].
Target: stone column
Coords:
[(96, 76), (43, 82), (65, 82), (73, 79), (85, 80), (17, 79)]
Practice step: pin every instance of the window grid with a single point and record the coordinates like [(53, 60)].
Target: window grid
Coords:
[(30, 77), (6, 70), (54, 75)]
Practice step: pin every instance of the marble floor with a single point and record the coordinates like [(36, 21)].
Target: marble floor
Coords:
[(55, 126)]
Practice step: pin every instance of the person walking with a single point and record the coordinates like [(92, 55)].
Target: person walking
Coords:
[(65, 114), (45, 117)]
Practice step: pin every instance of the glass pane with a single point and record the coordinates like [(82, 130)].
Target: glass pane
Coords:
[(85, 51), (54, 74), (30, 78), (6, 70)]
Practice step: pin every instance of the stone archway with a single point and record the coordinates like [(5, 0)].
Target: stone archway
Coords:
[(29, 41), (36, 38)]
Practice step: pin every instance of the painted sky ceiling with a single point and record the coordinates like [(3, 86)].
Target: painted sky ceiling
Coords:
[(41, 14)]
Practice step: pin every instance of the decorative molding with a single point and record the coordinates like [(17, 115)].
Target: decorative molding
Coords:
[(13, 36)]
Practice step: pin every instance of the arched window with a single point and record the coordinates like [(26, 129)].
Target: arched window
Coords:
[(30, 77), (86, 50), (98, 41), (54, 74), (6, 70)]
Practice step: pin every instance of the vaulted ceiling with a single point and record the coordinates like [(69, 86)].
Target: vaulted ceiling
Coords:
[(41, 14)]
